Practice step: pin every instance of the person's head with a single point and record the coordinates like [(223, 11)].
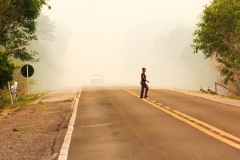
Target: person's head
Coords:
[(144, 69)]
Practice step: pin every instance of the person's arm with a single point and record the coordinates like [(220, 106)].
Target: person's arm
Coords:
[(144, 78)]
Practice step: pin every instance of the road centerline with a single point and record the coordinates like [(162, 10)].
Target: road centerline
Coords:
[(212, 131)]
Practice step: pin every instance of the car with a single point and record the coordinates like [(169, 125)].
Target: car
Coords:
[(96, 79)]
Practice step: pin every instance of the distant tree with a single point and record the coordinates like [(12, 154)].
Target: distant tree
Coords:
[(218, 35), (51, 50), (45, 28), (6, 70), (18, 26)]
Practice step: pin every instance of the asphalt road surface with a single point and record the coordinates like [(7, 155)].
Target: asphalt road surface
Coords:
[(115, 124)]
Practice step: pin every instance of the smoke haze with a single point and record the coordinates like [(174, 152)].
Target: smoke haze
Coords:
[(116, 38)]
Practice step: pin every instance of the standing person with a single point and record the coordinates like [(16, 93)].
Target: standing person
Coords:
[(144, 84)]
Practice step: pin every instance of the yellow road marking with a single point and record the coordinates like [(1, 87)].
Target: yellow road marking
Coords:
[(195, 123), (167, 107), (209, 126)]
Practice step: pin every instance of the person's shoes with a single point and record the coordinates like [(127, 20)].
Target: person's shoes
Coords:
[(146, 97), (141, 97)]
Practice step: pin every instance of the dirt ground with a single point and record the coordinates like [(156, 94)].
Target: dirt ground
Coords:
[(29, 132)]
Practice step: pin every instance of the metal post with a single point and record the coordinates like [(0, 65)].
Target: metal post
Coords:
[(27, 79), (10, 92), (226, 88)]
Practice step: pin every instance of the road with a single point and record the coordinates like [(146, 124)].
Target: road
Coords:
[(115, 124)]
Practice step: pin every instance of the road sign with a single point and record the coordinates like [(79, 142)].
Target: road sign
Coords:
[(27, 70)]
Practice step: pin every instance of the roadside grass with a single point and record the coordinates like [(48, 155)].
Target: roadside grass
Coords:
[(22, 101), (195, 91), (232, 97), (224, 96)]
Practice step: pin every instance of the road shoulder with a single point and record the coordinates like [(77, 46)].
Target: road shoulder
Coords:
[(34, 130), (215, 98)]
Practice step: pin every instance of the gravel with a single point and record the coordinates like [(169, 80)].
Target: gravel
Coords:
[(29, 133)]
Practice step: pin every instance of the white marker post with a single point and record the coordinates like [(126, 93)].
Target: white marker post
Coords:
[(15, 90), (10, 92)]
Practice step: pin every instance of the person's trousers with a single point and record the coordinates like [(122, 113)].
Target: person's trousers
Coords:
[(144, 86)]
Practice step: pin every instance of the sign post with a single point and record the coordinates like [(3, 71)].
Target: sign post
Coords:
[(27, 71), (27, 79)]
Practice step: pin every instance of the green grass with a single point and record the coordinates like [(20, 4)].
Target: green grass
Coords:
[(233, 97), (22, 101), (4, 102)]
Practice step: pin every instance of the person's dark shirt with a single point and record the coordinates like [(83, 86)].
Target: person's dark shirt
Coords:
[(143, 75)]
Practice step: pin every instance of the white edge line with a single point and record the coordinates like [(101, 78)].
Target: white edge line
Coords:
[(66, 143)]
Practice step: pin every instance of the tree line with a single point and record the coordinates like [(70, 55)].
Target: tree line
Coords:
[(218, 36), (17, 30)]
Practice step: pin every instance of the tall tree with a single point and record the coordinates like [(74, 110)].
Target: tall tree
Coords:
[(218, 35), (18, 26), (17, 30), (6, 70)]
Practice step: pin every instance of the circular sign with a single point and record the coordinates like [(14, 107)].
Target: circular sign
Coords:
[(27, 70)]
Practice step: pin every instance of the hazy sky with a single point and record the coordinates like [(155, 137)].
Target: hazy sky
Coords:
[(113, 37)]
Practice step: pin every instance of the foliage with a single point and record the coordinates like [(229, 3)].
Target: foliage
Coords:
[(44, 32), (5, 103), (218, 35), (6, 70), (45, 28), (22, 81), (18, 26), (17, 30), (51, 49)]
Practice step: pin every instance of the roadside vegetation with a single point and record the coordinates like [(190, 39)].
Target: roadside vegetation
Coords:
[(18, 28), (225, 96), (218, 37), (23, 100), (232, 97)]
